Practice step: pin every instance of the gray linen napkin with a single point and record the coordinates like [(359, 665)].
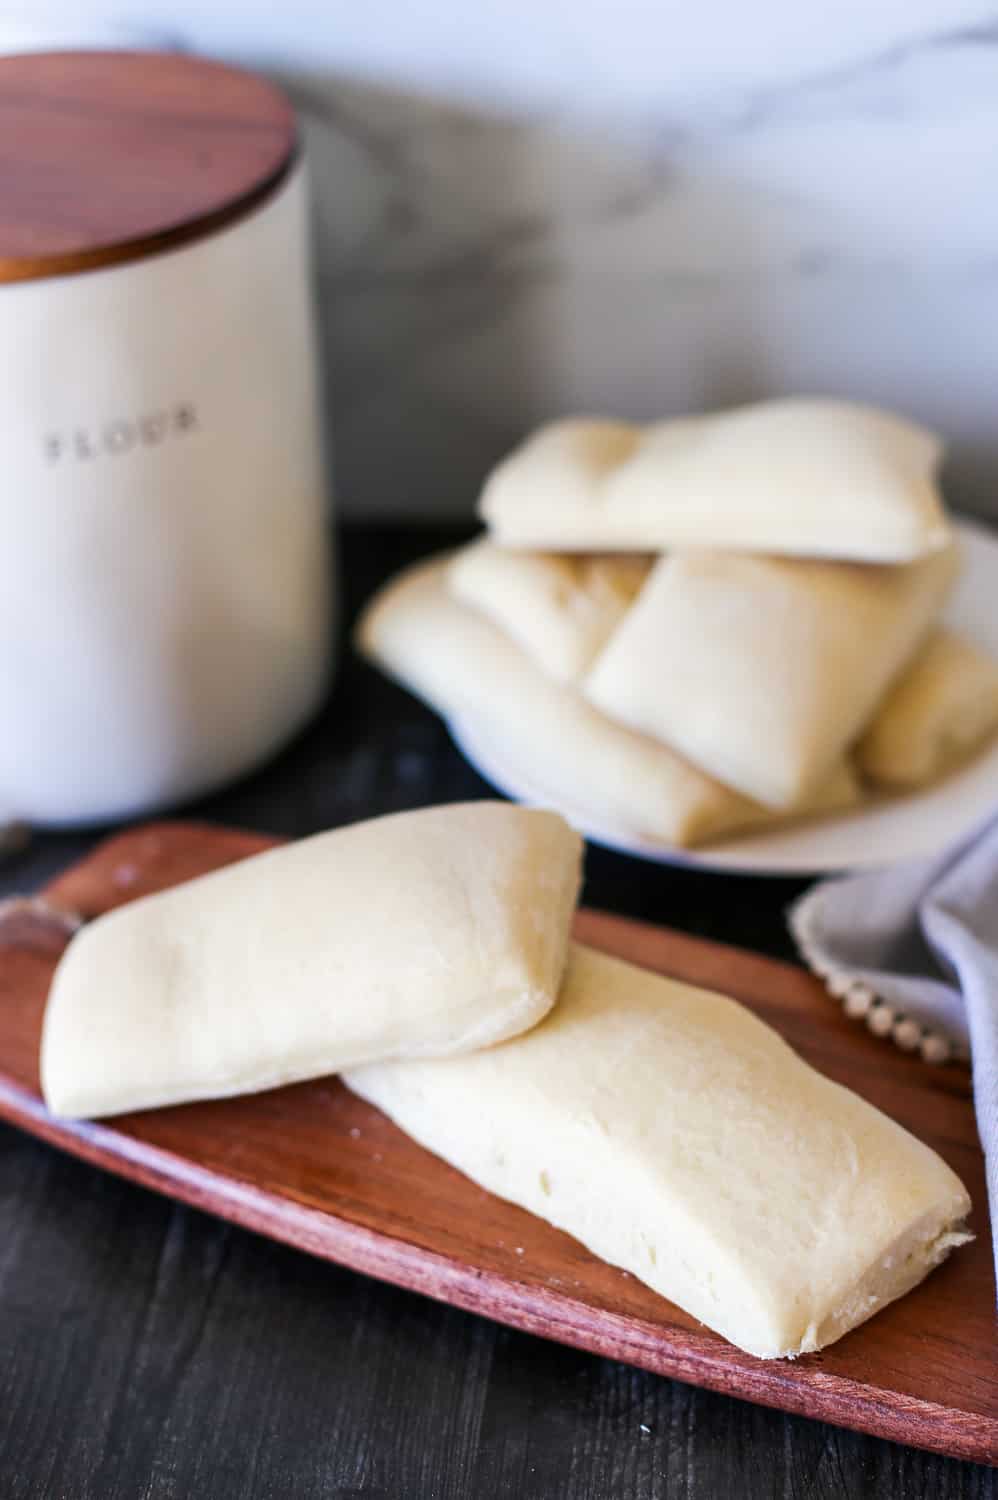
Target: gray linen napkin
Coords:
[(916, 948)]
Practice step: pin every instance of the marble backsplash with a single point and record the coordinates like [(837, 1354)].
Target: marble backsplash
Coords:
[(479, 274), (532, 208)]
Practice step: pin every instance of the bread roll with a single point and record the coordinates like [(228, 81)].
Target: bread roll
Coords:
[(938, 712), (679, 1137), (559, 609), (418, 934), (811, 478), (763, 670)]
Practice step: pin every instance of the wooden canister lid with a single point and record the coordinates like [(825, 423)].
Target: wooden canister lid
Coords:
[(106, 157)]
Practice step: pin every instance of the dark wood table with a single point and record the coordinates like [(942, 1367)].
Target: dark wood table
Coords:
[(150, 1351)]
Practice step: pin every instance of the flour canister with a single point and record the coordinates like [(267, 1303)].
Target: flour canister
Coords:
[(165, 575)]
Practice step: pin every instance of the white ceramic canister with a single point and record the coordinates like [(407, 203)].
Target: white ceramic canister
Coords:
[(165, 570)]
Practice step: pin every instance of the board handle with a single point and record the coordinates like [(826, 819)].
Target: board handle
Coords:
[(34, 923)]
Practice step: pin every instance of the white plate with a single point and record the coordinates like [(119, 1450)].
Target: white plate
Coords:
[(883, 832)]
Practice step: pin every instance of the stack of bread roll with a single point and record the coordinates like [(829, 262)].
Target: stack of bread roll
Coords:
[(705, 625)]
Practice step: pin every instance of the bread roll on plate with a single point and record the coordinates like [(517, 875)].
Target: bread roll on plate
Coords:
[(763, 670), (810, 478), (559, 609), (937, 714)]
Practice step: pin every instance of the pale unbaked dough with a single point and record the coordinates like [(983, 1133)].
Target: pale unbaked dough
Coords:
[(560, 609), (679, 1137), (461, 664), (763, 670), (813, 478), (939, 711), (421, 933)]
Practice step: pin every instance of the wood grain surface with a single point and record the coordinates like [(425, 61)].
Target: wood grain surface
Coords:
[(317, 1168), (109, 156)]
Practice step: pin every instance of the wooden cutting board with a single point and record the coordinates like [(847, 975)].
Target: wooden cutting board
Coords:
[(315, 1167)]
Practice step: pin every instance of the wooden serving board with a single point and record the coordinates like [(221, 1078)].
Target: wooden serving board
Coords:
[(315, 1167)]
